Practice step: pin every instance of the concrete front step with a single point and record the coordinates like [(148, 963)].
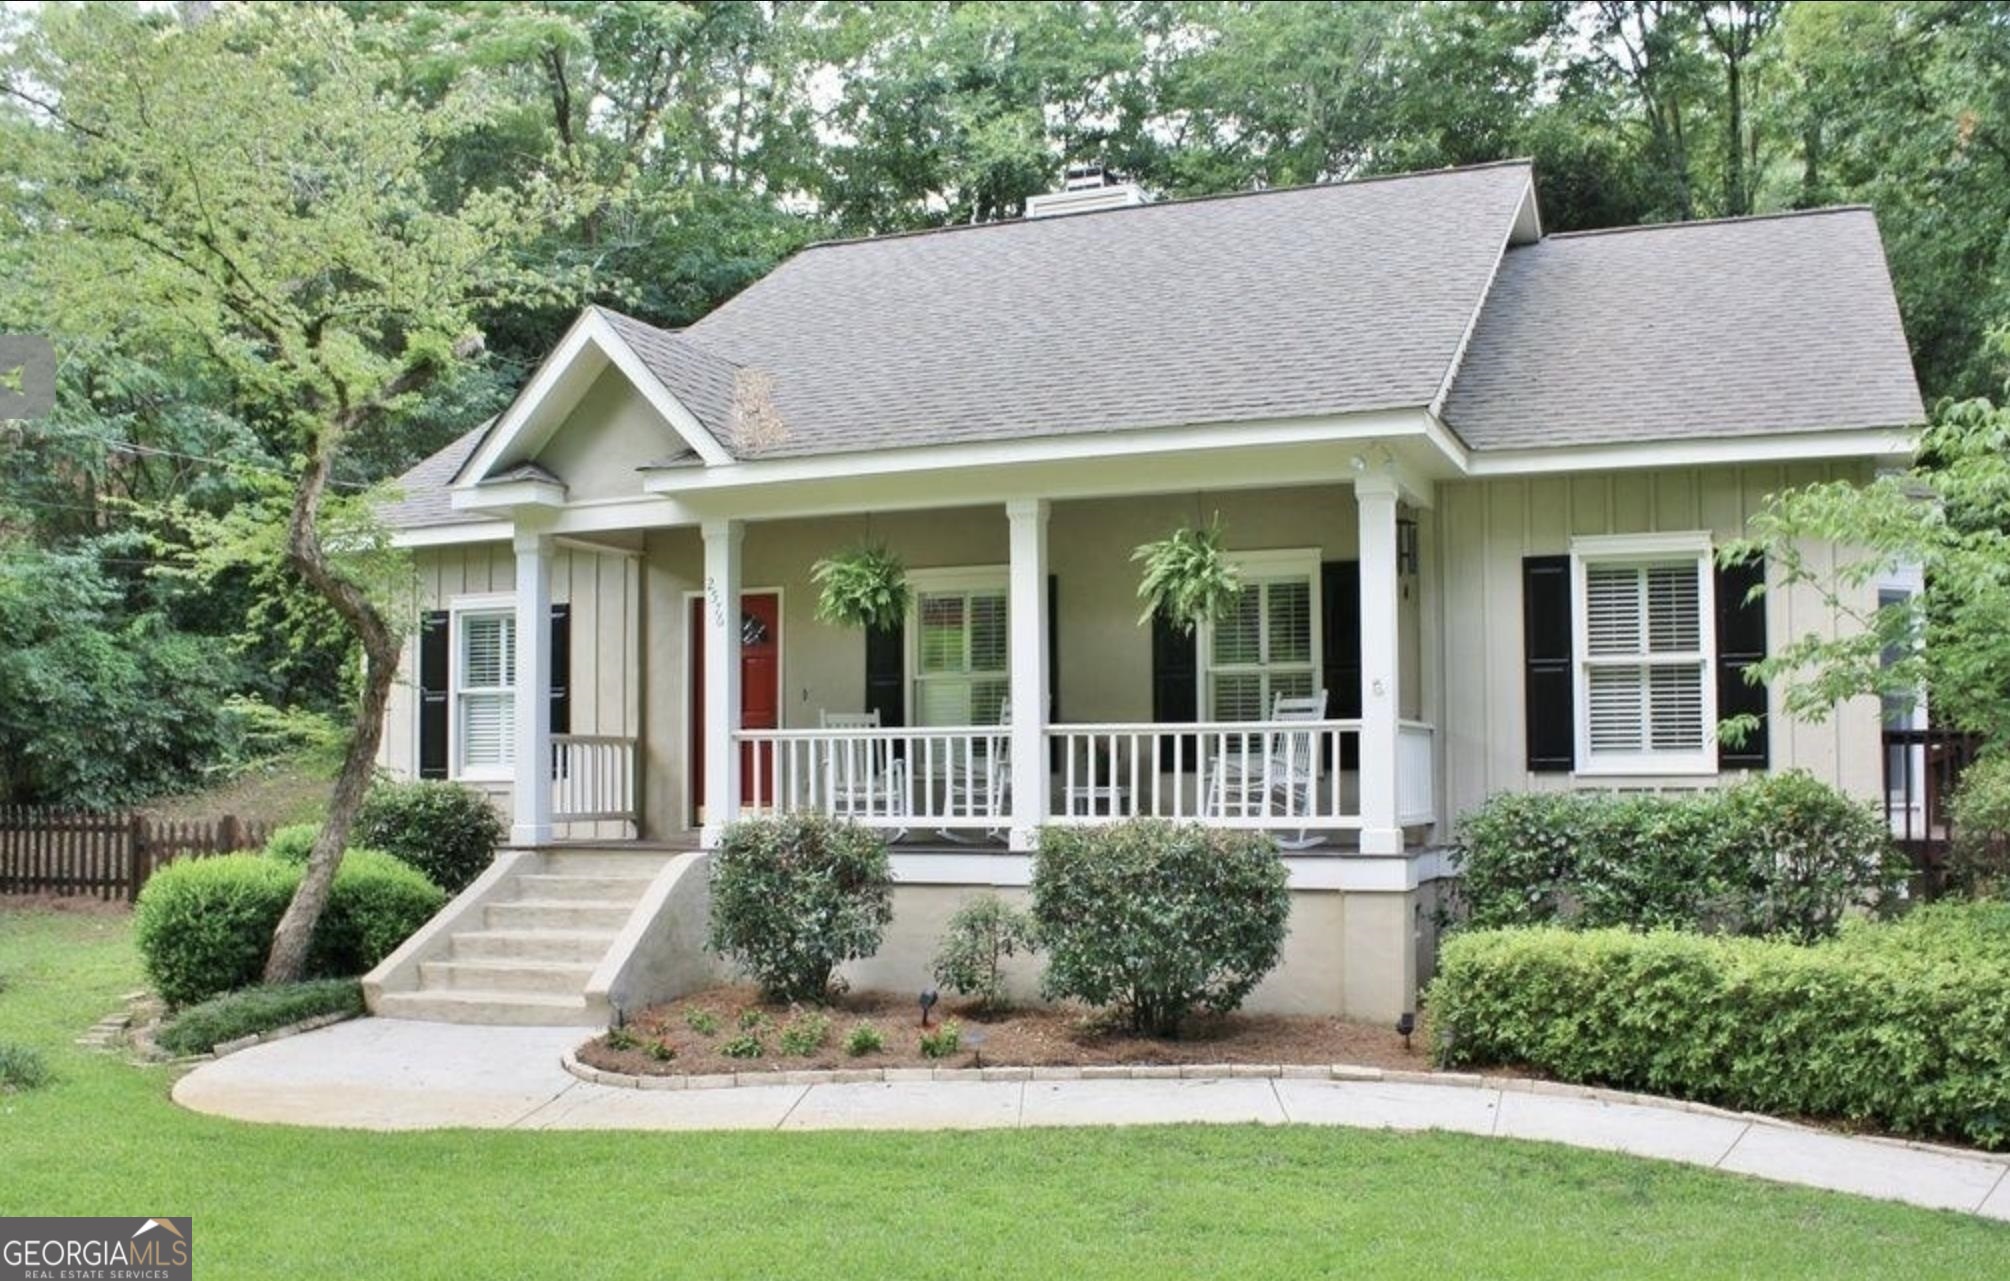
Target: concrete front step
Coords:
[(605, 862), (557, 914), (559, 977), (574, 888), (588, 946), (534, 1009)]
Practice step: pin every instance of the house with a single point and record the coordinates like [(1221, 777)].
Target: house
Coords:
[(1472, 474)]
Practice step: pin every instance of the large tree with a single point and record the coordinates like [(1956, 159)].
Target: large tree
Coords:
[(244, 192)]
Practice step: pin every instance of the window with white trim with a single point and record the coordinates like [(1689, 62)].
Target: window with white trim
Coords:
[(485, 692), (960, 664), (1267, 643), (1646, 695)]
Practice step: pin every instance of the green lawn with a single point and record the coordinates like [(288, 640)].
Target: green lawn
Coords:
[(1156, 1203)]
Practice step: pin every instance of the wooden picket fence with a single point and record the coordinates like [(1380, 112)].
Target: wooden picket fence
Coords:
[(109, 854)]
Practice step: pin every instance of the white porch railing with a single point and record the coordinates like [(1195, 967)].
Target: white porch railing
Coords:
[(1273, 775), (892, 778), (1282, 776), (592, 777)]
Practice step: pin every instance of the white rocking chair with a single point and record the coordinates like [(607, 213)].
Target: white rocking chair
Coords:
[(981, 784), (863, 776), (1283, 777)]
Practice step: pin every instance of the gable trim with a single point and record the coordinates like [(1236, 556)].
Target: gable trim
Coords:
[(590, 330)]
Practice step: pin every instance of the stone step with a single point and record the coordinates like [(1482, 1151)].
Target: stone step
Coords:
[(557, 914), (520, 1008), (605, 862), (588, 946), (560, 977), (597, 888)]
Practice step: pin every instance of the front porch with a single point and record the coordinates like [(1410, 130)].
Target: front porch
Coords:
[(938, 753)]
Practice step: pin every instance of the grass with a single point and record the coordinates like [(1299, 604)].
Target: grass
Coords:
[(1178, 1201), (201, 1028)]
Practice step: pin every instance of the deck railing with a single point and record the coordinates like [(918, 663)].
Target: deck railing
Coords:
[(592, 778), (1284, 776), (1921, 769)]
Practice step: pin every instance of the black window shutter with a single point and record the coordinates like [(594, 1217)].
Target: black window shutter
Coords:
[(886, 673), (1741, 642), (435, 635), (1054, 748), (1548, 691), (1175, 668), (561, 669), (1340, 641)]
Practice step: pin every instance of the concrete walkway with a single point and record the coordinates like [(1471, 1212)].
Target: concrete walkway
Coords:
[(393, 1074)]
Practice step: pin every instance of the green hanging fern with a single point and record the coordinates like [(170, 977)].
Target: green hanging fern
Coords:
[(1188, 577), (865, 587)]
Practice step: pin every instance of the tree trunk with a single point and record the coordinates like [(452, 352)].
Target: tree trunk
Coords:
[(295, 934), (1737, 199)]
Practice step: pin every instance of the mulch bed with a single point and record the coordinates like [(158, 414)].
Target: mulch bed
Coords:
[(1059, 1036)]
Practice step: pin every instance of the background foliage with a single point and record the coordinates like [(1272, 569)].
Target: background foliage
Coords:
[(704, 141)]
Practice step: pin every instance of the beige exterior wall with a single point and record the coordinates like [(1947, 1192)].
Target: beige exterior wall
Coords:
[(1485, 528), (602, 463)]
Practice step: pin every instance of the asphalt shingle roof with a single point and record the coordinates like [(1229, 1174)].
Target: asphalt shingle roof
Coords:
[(1742, 327), (423, 498)]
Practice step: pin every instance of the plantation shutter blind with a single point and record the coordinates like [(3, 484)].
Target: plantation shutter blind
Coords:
[(1262, 648), (434, 641), (488, 689), (1644, 658)]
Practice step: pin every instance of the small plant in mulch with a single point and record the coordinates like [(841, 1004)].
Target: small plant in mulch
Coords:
[(863, 1040), (806, 1033), (746, 1045), (21, 1068), (660, 1050), (703, 1022), (755, 1021), (620, 1038), (943, 1041)]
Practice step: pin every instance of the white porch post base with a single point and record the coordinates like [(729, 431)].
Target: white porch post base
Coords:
[(1375, 498), (721, 695), (1026, 607), (530, 800)]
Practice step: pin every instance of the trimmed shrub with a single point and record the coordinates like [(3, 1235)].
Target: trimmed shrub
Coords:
[(1156, 920), (1870, 1028), (204, 925), (1979, 862), (292, 844), (982, 933), (1777, 853), (22, 1067), (447, 831), (201, 1028), (796, 895)]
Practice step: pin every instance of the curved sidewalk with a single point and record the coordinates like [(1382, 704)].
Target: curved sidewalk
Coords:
[(386, 1074)]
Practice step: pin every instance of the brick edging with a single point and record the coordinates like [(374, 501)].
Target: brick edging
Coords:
[(146, 1045), (1228, 1071)]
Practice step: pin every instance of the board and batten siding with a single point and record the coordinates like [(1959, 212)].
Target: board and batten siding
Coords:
[(604, 591), (1485, 528)]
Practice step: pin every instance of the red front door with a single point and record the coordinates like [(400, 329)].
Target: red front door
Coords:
[(760, 689)]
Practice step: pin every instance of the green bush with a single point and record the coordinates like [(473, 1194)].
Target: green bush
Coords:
[(863, 1040), (1777, 853), (747, 1045), (942, 1041), (1901, 1027), (447, 831), (982, 933), (703, 1022), (293, 843), (21, 1068), (204, 925), (806, 1033), (1979, 862), (1156, 919), (795, 896), (201, 1028)]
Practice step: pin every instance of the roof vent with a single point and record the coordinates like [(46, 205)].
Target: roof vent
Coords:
[(1085, 188)]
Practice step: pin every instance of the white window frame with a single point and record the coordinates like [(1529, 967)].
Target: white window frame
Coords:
[(460, 609), (960, 578), (1643, 549), (1262, 566)]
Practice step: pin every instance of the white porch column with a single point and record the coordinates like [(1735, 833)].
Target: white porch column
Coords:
[(1375, 497), (531, 795), (1026, 606), (722, 675)]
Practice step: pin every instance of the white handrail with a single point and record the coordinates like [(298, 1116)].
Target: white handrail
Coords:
[(592, 778), (1276, 775), (891, 777)]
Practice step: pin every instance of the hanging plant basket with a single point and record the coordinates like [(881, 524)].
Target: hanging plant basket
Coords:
[(865, 587), (1188, 578)]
